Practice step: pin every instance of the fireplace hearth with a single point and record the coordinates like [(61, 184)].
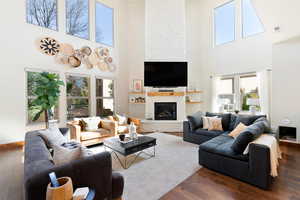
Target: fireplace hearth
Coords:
[(165, 111)]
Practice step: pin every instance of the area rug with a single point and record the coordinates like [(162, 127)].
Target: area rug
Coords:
[(150, 179)]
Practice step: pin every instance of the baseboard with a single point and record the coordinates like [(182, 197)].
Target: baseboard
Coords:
[(12, 145)]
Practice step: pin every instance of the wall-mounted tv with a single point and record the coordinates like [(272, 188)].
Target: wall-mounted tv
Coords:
[(166, 74)]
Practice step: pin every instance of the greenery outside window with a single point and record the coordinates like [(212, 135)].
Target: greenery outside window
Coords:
[(31, 76), (249, 92), (78, 94), (42, 13), (105, 97)]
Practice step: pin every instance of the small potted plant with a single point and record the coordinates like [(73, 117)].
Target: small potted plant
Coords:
[(47, 92)]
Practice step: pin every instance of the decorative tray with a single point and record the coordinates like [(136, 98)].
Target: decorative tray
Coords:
[(126, 140)]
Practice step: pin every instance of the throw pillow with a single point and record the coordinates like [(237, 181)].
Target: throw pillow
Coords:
[(225, 119), (52, 136), (122, 119), (215, 124), (206, 121), (241, 142), (92, 123), (195, 120), (236, 132), (247, 119), (66, 153), (267, 126)]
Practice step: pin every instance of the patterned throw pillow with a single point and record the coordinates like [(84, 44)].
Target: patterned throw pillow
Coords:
[(206, 121), (215, 124), (237, 131), (52, 136), (92, 123)]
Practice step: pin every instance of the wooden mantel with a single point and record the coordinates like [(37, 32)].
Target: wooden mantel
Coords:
[(152, 94)]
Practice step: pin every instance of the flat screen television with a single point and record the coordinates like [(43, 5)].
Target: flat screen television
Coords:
[(165, 74)]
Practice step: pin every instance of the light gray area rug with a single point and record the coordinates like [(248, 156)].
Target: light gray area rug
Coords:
[(150, 179)]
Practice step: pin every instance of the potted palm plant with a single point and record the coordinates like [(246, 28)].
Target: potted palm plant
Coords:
[(46, 92)]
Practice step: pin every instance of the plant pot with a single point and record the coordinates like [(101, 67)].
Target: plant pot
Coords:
[(63, 192)]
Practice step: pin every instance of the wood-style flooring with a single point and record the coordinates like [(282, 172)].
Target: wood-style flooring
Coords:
[(203, 185)]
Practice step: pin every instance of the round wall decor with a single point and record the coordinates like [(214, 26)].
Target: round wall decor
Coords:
[(49, 46)]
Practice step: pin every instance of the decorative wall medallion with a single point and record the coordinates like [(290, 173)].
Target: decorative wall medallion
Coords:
[(74, 61), (62, 59), (49, 46), (87, 63), (66, 49), (86, 50)]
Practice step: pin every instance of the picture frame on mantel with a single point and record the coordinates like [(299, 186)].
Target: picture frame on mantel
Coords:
[(137, 85)]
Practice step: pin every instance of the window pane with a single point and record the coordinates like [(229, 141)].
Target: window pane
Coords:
[(249, 92), (77, 108), (105, 107), (42, 13), (78, 18), (225, 86), (251, 23), (77, 86), (225, 23), (42, 116), (104, 88), (104, 24)]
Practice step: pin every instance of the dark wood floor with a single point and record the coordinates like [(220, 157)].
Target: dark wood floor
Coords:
[(203, 185), (209, 185)]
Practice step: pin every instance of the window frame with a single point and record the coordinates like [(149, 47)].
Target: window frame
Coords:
[(89, 24), (37, 70), (57, 18), (246, 75), (78, 97), (113, 23), (215, 25), (242, 22), (99, 97)]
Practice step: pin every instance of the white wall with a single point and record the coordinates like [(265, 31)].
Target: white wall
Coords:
[(18, 52), (286, 84)]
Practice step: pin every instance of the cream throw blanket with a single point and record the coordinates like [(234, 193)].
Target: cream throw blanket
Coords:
[(275, 153)]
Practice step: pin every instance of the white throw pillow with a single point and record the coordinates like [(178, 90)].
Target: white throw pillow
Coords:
[(122, 119), (92, 123), (52, 136)]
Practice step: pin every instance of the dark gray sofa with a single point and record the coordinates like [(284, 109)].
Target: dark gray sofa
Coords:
[(93, 171), (217, 150)]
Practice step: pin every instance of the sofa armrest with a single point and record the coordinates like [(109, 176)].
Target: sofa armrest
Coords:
[(75, 131), (110, 125), (117, 185), (187, 127), (259, 164)]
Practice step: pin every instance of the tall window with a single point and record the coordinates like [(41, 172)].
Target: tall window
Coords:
[(77, 96), (225, 91), (77, 12), (251, 22), (104, 24), (224, 23), (249, 92), (105, 97), (42, 13), (32, 77)]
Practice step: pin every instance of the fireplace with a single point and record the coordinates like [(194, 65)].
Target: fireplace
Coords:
[(165, 111)]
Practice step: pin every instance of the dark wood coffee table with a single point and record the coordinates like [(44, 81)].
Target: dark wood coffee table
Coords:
[(137, 147)]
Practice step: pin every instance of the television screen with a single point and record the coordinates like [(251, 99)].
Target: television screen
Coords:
[(165, 74)]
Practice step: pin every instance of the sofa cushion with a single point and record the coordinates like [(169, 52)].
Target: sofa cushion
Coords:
[(215, 124), (246, 119), (222, 145), (225, 119), (232, 122), (92, 123), (205, 132), (89, 135), (237, 131), (241, 142), (195, 120), (256, 129), (267, 126)]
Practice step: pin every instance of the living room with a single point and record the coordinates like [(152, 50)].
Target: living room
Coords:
[(159, 69)]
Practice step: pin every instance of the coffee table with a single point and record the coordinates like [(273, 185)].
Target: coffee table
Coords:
[(137, 147)]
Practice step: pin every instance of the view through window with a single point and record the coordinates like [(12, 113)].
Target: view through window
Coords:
[(105, 97), (77, 96)]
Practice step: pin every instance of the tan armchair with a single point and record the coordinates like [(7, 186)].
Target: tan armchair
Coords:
[(124, 128), (106, 128)]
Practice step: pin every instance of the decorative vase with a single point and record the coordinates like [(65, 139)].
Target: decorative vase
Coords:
[(63, 192), (132, 131)]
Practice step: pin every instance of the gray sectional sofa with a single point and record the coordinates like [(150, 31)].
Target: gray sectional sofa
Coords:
[(93, 171), (222, 153)]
